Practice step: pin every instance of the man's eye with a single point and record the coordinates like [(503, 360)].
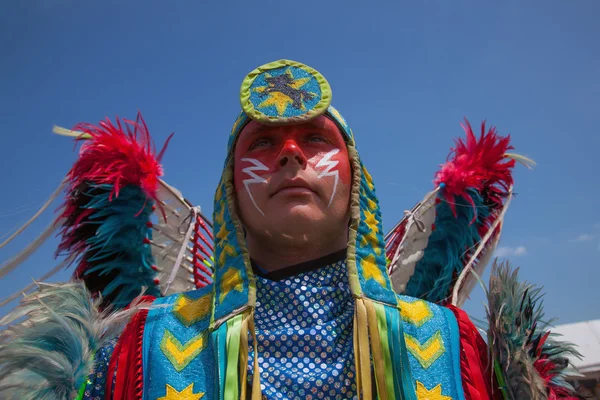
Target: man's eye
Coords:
[(259, 143), (317, 139)]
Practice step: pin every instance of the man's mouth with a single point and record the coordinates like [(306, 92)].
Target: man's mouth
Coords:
[(293, 186)]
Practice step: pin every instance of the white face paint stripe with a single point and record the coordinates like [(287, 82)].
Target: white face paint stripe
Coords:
[(328, 171), (256, 166)]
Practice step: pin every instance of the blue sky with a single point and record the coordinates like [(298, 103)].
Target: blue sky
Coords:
[(404, 74)]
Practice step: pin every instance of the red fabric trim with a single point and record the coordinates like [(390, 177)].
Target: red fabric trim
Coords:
[(128, 358), (479, 382)]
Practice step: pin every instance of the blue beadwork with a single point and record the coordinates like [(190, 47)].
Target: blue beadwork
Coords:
[(304, 333)]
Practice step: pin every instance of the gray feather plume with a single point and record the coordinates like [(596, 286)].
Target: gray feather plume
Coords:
[(49, 341)]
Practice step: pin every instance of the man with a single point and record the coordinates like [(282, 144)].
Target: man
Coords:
[(302, 306)]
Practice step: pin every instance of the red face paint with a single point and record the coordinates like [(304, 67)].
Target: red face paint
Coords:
[(292, 182), (305, 145)]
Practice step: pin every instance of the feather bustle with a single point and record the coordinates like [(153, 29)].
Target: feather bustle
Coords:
[(530, 361), (112, 190), (47, 348)]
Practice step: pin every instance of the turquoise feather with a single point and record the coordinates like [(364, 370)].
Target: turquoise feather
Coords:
[(46, 351), (453, 236)]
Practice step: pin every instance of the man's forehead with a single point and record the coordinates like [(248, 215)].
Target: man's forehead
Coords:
[(321, 123)]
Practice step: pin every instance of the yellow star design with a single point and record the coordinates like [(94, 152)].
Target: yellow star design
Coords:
[(185, 394), (372, 240), (228, 250), (223, 233), (190, 311), (278, 99), (372, 204), (433, 394), (231, 280), (371, 221), (371, 270), (220, 216), (416, 312)]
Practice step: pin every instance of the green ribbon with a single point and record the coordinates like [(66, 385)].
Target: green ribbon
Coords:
[(385, 345), (234, 330)]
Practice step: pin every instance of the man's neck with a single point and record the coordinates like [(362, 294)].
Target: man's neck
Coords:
[(300, 268), (273, 258)]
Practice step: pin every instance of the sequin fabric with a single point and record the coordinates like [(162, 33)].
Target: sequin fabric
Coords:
[(96, 384), (304, 336)]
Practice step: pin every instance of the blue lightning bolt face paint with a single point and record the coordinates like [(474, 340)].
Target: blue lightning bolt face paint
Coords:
[(292, 162)]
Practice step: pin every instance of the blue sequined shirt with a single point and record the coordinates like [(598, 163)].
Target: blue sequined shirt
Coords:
[(304, 332)]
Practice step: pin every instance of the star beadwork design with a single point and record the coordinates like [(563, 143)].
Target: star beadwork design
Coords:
[(368, 178), (185, 394), (417, 312), (433, 394), (371, 240), (231, 280), (220, 216), (284, 90), (189, 311), (371, 270), (223, 233), (227, 251), (372, 204), (371, 221)]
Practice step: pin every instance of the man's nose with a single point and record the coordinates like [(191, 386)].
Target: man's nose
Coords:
[(291, 153)]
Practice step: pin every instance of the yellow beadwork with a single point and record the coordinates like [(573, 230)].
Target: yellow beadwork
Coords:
[(228, 250), (371, 240), (371, 269), (190, 311), (371, 221), (417, 312), (231, 280), (223, 233), (220, 216), (179, 354), (185, 394), (278, 99), (428, 352), (433, 394), (368, 178), (372, 204)]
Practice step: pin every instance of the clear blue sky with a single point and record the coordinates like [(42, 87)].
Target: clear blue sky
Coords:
[(403, 74)]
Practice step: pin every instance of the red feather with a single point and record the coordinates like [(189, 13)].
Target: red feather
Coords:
[(478, 164), (118, 157)]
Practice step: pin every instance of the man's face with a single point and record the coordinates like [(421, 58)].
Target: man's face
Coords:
[(292, 179)]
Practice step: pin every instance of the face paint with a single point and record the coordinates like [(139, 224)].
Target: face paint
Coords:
[(329, 170), (256, 166), (273, 155)]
